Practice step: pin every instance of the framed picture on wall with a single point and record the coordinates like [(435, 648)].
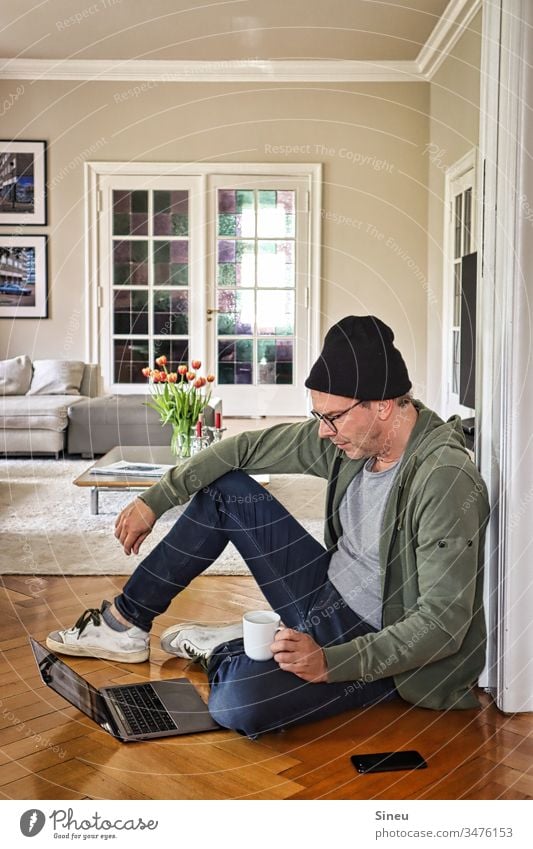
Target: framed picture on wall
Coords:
[(22, 182), (23, 277)]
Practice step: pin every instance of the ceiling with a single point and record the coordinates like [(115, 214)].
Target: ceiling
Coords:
[(191, 30)]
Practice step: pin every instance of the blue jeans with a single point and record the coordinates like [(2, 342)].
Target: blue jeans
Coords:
[(291, 568)]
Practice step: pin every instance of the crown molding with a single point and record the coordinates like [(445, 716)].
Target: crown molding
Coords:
[(448, 30), (256, 71)]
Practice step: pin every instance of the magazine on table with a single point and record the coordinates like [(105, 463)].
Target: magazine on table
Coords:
[(123, 467)]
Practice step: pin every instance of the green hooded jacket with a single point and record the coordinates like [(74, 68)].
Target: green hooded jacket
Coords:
[(433, 636)]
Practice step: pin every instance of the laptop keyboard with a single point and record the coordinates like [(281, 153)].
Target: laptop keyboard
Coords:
[(142, 708)]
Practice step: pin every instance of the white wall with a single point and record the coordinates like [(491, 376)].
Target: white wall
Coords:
[(453, 130), (370, 138)]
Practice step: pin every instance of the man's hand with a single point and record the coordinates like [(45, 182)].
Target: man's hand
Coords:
[(133, 525), (298, 653)]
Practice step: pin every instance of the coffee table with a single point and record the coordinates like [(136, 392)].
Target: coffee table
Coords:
[(158, 454), (122, 483)]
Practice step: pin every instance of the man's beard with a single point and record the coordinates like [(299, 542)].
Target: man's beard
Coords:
[(367, 447)]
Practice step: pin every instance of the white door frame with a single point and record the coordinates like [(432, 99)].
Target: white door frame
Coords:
[(95, 171), (504, 369)]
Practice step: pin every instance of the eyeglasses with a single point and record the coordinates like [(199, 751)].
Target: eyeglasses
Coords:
[(328, 420)]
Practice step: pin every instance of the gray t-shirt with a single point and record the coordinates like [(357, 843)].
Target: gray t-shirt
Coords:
[(354, 567)]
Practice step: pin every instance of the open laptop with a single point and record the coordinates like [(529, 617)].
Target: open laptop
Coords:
[(132, 712)]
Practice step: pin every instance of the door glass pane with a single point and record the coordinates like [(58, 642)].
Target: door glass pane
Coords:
[(236, 263), (457, 219), (275, 214), (467, 234), (275, 359), (131, 356), (236, 213), (275, 263), (455, 362), (130, 213), (171, 213), (130, 312), (130, 263), (256, 281), (457, 294), (275, 313), (175, 350), (171, 260), (150, 280), (236, 314), (235, 361), (171, 313)]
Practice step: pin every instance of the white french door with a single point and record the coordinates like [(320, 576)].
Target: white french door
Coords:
[(460, 241), (150, 276), (258, 292), (214, 267)]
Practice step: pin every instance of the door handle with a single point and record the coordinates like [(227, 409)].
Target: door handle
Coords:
[(210, 311)]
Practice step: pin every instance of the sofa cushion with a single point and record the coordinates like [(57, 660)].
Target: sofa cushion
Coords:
[(37, 412), (116, 410), (56, 377), (31, 442), (15, 375)]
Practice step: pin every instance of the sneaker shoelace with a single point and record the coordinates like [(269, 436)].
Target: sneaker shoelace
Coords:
[(195, 656), (92, 614)]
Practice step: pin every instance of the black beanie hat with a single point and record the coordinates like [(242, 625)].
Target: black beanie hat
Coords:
[(359, 360)]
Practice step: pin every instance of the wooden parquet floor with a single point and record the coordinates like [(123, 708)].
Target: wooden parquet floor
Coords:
[(48, 750)]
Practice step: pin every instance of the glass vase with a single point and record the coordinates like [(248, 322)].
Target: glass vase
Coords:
[(180, 444)]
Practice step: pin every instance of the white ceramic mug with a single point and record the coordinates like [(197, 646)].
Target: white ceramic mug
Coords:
[(259, 630)]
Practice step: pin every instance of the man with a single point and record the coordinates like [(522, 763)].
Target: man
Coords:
[(392, 606)]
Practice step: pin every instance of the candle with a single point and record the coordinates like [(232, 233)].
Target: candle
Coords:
[(218, 420)]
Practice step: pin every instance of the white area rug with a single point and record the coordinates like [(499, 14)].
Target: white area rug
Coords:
[(48, 529)]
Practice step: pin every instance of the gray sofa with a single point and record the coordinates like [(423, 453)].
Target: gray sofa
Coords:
[(51, 405), (35, 421), (98, 424)]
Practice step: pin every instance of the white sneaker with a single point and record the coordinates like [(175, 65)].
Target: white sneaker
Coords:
[(92, 637), (197, 640)]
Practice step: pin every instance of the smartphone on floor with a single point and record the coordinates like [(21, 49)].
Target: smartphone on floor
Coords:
[(388, 761)]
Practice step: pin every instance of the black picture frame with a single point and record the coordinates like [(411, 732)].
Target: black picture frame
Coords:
[(23, 276), (23, 175)]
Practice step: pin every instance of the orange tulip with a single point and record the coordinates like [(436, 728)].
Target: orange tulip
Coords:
[(196, 364), (163, 377), (146, 371), (182, 370), (172, 377), (156, 377), (210, 378), (190, 375), (161, 361)]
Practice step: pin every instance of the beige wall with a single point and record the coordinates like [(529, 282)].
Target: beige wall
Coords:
[(374, 209), (454, 130)]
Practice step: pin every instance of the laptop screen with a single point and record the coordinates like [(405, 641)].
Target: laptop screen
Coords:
[(75, 689)]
